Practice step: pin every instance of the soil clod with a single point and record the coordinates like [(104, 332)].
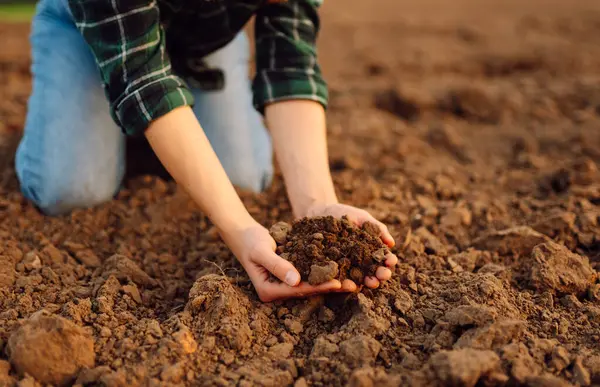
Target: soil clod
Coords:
[(51, 349), (325, 248)]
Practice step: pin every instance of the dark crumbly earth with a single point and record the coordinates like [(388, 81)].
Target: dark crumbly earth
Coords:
[(324, 248), (471, 128)]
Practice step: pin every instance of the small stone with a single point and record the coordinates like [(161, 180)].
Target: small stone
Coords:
[(380, 255), (321, 274), (317, 236), (279, 232)]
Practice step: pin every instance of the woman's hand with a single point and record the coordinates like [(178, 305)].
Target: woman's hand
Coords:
[(255, 249), (358, 217)]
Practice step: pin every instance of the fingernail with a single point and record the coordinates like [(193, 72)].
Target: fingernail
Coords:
[(292, 278)]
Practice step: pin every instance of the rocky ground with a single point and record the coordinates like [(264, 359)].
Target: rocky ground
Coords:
[(470, 127)]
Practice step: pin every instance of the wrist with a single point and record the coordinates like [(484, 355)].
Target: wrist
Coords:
[(305, 206), (233, 222)]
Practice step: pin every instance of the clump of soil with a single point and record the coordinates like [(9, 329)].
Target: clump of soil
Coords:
[(51, 349), (554, 268), (326, 248)]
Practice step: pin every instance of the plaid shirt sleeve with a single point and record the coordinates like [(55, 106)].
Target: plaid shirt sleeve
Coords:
[(286, 55), (128, 43)]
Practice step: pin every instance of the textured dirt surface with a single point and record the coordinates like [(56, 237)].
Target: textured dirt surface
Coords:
[(470, 127), (324, 248)]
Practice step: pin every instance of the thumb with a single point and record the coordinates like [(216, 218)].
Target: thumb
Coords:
[(278, 266)]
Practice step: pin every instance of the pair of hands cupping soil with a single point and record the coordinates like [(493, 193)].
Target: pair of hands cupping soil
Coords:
[(336, 248)]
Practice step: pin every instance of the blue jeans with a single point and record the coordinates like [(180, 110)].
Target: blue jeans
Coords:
[(72, 155)]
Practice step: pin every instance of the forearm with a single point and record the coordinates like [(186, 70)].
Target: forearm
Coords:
[(182, 147), (299, 136)]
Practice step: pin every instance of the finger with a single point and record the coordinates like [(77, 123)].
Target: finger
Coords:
[(278, 266), (371, 282), (391, 260), (386, 236), (348, 286), (270, 291), (383, 273)]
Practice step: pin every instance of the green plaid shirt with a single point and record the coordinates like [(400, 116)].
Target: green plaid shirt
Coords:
[(150, 52)]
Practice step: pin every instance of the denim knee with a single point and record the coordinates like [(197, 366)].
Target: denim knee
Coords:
[(58, 193), (53, 200)]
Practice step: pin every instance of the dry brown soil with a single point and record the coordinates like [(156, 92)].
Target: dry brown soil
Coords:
[(323, 248), (471, 127)]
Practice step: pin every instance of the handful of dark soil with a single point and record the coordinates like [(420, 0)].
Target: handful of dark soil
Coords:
[(326, 248)]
